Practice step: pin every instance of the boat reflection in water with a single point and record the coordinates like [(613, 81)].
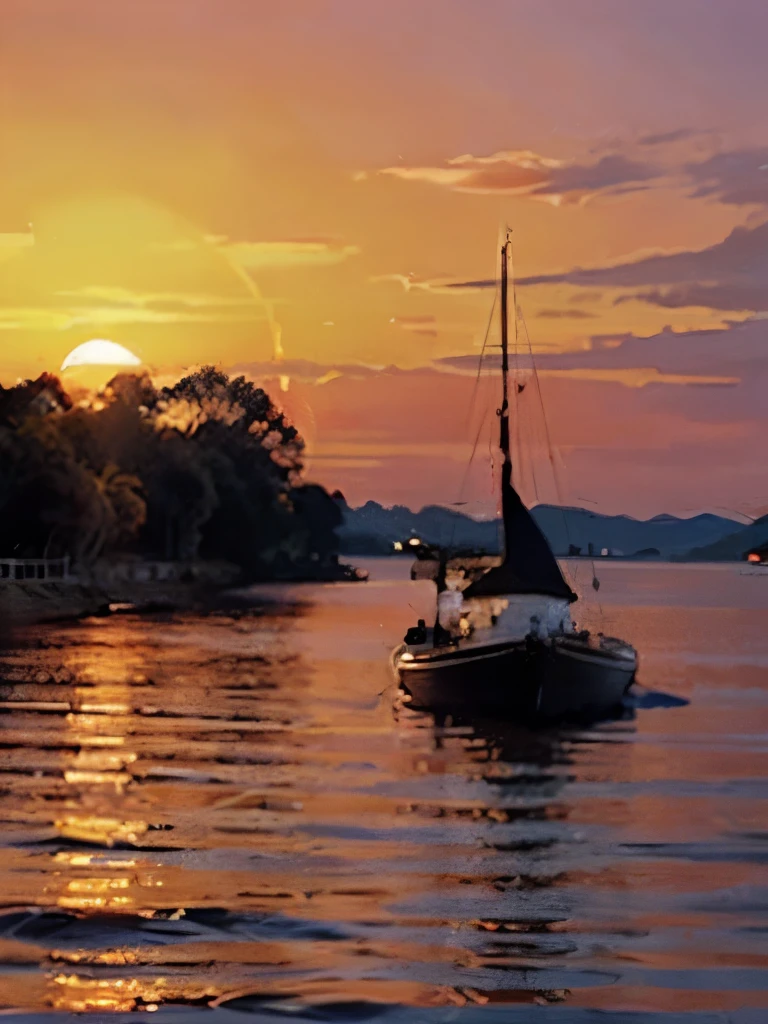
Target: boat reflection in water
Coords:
[(505, 787)]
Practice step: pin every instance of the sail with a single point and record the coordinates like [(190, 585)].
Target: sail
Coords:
[(529, 567)]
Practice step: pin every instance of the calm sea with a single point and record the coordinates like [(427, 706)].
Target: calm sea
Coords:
[(224, 816)]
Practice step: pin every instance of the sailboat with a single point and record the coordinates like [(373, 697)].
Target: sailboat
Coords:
[(507, 642)]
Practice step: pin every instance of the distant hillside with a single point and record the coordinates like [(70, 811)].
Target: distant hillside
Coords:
[(373, 529), (733, 546)]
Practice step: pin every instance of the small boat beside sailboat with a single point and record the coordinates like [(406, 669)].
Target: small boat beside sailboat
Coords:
[(507, 643)]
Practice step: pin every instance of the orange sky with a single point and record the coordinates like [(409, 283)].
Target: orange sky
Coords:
[(195, 178)]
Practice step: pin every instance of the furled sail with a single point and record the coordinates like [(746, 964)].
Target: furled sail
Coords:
[(529, 567)]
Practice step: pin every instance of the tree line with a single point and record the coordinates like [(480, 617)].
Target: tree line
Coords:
[(207, 469)]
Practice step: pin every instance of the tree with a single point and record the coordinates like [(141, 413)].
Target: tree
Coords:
[(320, 517), (207, 468)]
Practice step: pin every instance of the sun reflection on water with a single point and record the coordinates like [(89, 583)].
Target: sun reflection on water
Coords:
[(255, 824)]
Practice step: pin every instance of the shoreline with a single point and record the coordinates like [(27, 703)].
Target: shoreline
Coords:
[(29, 602), (33, 602)]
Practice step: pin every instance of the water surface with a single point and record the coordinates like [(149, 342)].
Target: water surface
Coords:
[(226, 812)]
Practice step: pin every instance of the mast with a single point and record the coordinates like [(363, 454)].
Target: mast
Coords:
[(528, 567), (506, 466)]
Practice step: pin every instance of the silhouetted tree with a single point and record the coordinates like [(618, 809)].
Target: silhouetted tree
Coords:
[(207, 468)]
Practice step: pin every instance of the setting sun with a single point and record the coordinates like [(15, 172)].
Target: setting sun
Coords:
[(99, 352)]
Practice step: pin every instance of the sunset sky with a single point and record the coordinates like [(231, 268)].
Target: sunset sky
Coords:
[(219, 180)]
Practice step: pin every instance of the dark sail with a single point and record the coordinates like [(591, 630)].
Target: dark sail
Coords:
[(529, 567)]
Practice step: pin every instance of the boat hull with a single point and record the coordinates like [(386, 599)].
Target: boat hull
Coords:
[(548, 680)]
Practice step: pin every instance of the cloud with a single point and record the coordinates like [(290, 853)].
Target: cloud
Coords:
[(114, 306), (33, 319), (738, 178), (477, 285), (729, 275), (30, 318), (722, 356), (118, 296), (291, 252), (640, 376), (582, 367), (605, 175), (732, 297), (307, 371), (522, 172), (709, 358), (424, 324), (564, 314), (299, 252), (665, 138), (442, 285)]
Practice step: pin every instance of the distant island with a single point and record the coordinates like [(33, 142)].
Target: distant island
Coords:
[(374, 530)]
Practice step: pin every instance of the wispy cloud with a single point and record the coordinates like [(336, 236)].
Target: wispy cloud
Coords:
[(299, 252), (106, 305), (640, 376), (421, 324), (564, 314), (307, 371), (722, 356), (118, 296), (31, 319), (269, 254), (589, 366), (437, 285), (737, 178), (523, 172), (666, 138), (729, 275)]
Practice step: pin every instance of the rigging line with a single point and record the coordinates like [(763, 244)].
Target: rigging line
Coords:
[(550, 453), (492, 471), (517, 317), (547, 435), (473, 397), (472, 401), (518, 460), (471, 457)]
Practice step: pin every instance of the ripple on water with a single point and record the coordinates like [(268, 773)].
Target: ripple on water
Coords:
[(223, 812)]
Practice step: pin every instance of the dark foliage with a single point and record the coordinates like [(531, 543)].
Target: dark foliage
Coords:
[(209, 468)]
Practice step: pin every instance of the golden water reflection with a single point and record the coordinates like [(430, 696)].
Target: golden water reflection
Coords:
[(226, 808)]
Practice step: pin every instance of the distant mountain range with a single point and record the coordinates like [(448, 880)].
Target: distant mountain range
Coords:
[(734, 545), (373, 529)]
